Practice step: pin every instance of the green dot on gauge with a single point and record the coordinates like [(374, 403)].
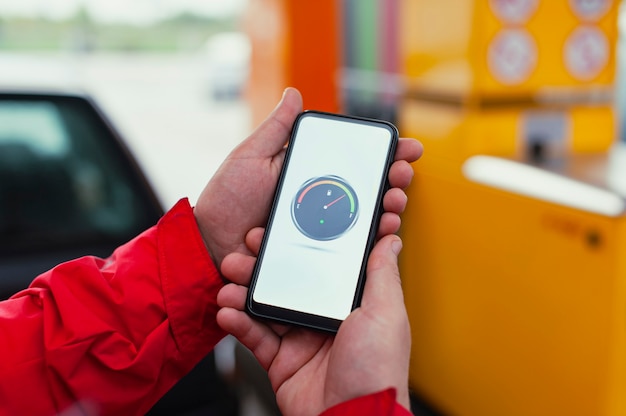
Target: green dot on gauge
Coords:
[(321, 221)]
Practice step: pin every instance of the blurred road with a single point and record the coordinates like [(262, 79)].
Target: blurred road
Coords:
[(160, 103)]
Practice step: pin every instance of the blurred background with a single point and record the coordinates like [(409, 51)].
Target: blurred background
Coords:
[(514, 265), (168, 73)]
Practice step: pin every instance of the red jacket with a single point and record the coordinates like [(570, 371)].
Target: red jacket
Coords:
[(111, 336)]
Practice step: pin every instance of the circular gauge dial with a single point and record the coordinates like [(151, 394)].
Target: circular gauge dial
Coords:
[(324, 208)]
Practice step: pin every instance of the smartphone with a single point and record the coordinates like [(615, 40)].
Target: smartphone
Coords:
[(323, 222)]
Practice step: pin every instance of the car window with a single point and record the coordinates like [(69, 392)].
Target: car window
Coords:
[(64, 179)]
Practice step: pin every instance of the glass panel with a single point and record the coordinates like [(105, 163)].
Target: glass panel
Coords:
[(33, 125)]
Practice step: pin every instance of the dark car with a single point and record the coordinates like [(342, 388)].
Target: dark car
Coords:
[(69, 187)]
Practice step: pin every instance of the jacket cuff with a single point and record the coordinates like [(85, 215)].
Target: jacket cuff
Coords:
[(382, 403), (189, 279)]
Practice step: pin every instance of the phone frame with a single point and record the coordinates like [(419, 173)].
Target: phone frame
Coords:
[(294, 317)]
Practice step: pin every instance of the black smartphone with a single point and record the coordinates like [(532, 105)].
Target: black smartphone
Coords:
[(311, 266)]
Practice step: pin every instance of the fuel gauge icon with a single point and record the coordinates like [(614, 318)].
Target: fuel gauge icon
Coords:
[(324, 208)]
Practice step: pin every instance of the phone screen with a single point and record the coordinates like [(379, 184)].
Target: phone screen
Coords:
[(324, 218)]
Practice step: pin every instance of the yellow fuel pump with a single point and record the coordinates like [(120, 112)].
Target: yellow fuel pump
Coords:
[(516, 294), (514, 264)]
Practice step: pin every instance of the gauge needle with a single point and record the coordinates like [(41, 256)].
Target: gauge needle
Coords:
[(336, 200)]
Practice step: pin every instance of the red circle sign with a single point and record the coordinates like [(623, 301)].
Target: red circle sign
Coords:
[(586, 52), (514, 11), (512, 56)]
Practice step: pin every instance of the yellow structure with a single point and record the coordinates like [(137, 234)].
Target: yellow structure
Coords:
[(509, 48), (516, 302), (514, 265), (507, 129)]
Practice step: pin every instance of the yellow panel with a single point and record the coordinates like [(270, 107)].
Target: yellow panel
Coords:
[(495, 131), (516, 305), (459, 130), (593, 128), (469, 49), (435, 42), (437, 125)]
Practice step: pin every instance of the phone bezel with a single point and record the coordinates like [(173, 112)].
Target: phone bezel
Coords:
[(294, 317)]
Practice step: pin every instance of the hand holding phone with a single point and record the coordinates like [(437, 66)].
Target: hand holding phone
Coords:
[(311, 266)]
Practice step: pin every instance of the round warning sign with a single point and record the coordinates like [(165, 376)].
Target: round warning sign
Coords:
[(586, 52), (513, 11), (590, 9), (512, 56)]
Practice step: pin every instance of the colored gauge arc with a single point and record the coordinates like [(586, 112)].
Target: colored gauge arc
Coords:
[(324, 208)]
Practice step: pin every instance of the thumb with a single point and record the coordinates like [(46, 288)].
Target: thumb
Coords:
[(382, 284), (270, 137)]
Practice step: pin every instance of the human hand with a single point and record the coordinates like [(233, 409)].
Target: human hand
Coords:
[(239, 195), (312, 371)]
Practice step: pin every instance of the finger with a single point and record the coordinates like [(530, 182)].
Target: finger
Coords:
[(382, 286), (409, 150), (270, 137), (389, 224), (395, 201), (300, 348), (254, 238), (280, 329), (232, 296), (237, 267), (254, 335), (400, 174)]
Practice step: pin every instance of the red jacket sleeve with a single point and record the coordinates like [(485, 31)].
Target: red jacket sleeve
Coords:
[(378, 404), (111, 336)]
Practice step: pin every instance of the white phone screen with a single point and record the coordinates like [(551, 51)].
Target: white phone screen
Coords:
[(315, 246)]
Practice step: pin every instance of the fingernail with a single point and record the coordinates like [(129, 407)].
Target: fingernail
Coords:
[(284, 94), (282, 97), (396, 246)]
